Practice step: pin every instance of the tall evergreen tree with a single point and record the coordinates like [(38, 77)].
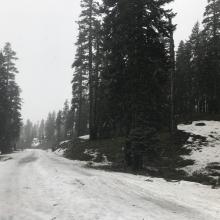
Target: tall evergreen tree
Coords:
[(136, 58), (86, 64), (136, 71), (3, 102), (11, 105), (79, 87), (50, 127), (59, 123)]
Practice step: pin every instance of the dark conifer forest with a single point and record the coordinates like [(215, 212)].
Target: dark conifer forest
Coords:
[(127, 80), (129, 83), (197, 67)]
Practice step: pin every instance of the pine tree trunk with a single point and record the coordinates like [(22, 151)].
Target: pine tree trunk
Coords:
[(91, 97), (79, 130), (173, 127), (95, 122)]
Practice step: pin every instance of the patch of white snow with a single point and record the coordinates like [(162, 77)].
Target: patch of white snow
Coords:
[(202, 153), (85, 137)]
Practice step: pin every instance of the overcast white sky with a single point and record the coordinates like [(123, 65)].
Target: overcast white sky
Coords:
[(43, 33)]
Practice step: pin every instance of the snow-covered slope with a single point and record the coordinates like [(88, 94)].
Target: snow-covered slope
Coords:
[(39, 185), (206, 154), (59, 151), (63, 145)]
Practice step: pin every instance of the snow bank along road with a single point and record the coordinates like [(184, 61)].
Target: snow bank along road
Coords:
[(39, 185)]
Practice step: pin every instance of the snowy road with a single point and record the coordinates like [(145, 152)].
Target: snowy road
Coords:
[(39, 185)]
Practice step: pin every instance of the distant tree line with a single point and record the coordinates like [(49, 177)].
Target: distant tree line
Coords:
[(198, 67), (56, 128), (10, 101)]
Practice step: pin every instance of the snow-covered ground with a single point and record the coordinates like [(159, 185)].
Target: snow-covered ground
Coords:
[(94, 154), (64, 142), (206, 153), (63, 145), (59, 151), (39, 185), (85, 137)]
